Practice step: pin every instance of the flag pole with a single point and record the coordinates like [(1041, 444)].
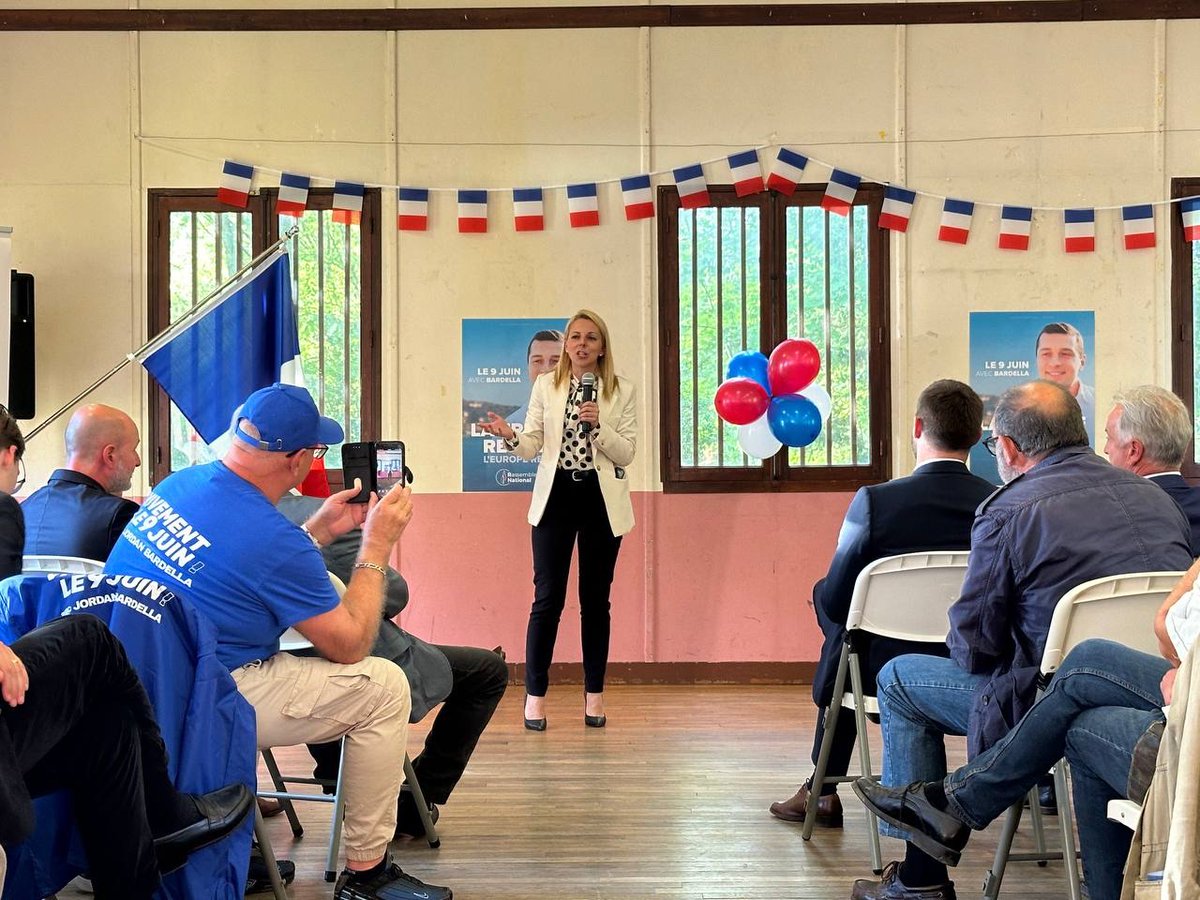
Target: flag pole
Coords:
[(196, 311)]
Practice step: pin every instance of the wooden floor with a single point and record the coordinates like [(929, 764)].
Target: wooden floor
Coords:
[(669, 801)]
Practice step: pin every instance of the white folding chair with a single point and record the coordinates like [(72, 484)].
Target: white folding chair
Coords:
[(1125, 812), (906, 597), (69, 565), (1118, 608)]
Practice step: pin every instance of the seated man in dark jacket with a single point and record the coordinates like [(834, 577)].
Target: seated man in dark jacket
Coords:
[(1063, 517), (75, 716), (81, 512), (468, 681), (931, 509)]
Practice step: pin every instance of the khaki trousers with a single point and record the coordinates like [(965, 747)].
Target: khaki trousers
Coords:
[(302, 700)]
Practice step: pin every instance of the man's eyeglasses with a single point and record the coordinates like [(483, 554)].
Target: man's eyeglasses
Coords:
[(20, 475), (317, 452), (990, 443)]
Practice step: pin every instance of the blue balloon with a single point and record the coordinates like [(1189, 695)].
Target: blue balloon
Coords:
[(794, 420), (749, 364)]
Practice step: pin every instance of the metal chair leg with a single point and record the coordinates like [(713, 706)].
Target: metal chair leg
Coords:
[(864, 756), (995, 875), (268, 855), (831, 717), (410, 776), (335, 824), (277, 779), (1037, 823), (1067, 825)]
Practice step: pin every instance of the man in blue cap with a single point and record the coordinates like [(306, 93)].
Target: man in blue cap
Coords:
[(214, 531)]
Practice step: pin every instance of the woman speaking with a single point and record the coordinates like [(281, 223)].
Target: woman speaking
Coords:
[(582, 419)]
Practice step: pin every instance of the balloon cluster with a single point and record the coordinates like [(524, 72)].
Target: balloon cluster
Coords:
[(775, 401)]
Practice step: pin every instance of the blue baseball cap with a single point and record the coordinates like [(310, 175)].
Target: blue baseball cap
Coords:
[(287, 420)]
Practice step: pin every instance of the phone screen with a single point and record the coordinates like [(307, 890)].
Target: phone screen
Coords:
[(389, 466)]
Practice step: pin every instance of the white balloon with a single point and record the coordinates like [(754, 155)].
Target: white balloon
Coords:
[(756, 439), (820, 398)]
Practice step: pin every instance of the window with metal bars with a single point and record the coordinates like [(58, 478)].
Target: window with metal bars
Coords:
[(1185, 312), (197, 243), (744, 273)]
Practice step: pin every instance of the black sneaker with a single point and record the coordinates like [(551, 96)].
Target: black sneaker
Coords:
[(390, 884)]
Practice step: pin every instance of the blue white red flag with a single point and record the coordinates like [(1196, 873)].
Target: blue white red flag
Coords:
[(746, 172), (786, 171), (234, 188), (246, 340), (1190, 210), (1079, 230), (529, 214), (347, 202), (693, 189), (293, 195), (472, 212), (956, 221), (412, 209), (583, 205), (1139, 226), (635, 194), (839, 193), (1015, 225), (897, 208)]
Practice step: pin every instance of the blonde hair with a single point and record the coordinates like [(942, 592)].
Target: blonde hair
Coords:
[(604, 366)]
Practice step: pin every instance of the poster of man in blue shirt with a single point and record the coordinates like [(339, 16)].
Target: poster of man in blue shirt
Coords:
[(1008, 348), (501, 360)]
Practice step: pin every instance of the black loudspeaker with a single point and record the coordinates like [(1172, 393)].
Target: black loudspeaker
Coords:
[(20, 346)]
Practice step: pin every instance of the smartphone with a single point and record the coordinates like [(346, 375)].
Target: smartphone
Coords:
[(378, 464), (389, 466)]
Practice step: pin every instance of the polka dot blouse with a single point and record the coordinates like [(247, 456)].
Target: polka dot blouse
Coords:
[(575, 455)]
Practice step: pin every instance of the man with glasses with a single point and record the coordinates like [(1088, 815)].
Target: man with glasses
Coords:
[(1064, 516), (214, 531)]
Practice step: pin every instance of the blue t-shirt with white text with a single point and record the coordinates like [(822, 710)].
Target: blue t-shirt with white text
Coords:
[(240, 562)]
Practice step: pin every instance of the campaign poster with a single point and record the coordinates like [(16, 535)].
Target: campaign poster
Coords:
[(1008, 348), (501, 358)]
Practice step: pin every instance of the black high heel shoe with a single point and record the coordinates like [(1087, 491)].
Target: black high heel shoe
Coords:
[(536, 724), (593, 721)]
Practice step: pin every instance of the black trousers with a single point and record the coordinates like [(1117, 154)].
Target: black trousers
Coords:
[(87, 726), (480, 678), (842, 749), (574, 510)]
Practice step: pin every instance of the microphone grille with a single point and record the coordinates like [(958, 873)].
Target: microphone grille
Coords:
[(588, 378)]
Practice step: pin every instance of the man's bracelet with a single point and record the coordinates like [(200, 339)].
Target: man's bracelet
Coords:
[(370, 565)]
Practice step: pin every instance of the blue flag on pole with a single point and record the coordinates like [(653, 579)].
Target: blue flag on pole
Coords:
[(248, 341)]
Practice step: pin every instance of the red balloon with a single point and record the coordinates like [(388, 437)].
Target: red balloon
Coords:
[(740, 401), (793, 366)]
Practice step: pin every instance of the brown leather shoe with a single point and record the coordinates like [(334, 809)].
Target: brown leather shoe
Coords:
[(829, 809)]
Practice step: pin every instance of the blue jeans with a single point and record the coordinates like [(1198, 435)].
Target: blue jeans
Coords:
[(1101, 700), (921, 700)]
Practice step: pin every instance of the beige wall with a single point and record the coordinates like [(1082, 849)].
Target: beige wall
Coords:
[(1035, 114)]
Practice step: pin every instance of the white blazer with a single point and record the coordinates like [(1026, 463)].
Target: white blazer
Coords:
[(613, 445)]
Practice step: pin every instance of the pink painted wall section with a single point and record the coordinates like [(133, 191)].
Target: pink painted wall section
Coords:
[(703, 577)]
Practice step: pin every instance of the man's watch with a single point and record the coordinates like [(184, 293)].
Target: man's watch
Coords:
[(312, 537)]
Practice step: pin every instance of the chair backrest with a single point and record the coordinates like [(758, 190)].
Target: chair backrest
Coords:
[(908, 596), (70, 565), (1119, 608)]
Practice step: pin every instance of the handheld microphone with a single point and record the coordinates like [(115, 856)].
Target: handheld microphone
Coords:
[(588, 380)]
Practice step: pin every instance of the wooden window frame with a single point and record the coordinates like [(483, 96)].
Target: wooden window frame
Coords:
[(1182, 327), (775, 474), (161, 202)]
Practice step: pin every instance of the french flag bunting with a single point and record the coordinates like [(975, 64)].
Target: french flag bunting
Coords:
[(635, 194), (1139, 226), (693, 189), (472, 212), (235, 183), (786, 171), (956, 221), (529, 214), (747, 174), (839, 193), (583, 205), (1079, 230), (412, 209), (1015, 224), (897, 208), (293, 195), (1190, 210), (347, 202)]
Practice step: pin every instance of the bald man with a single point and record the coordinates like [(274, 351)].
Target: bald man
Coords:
[(81, 512)]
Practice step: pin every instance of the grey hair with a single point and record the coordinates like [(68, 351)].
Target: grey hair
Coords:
[(1157, 418), (1040, 417)]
